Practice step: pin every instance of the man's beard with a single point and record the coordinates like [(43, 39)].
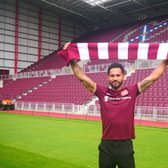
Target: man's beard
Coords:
[(116, 86)]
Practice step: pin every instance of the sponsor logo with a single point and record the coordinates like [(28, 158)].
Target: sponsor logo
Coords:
[(124, 92), (124, 96), (107, 98)]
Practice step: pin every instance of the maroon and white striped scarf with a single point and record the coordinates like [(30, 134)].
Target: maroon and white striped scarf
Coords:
[(141, 51)]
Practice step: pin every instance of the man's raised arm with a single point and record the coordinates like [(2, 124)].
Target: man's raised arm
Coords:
[(84, 79), (77, 70), (155, 75)]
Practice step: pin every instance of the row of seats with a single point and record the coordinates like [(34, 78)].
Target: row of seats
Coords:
[(52, 61), (19, 86), (68, 89), (62, 89)]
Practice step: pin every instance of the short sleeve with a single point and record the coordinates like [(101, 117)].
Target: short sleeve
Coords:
[(99, 90), (134, 90)]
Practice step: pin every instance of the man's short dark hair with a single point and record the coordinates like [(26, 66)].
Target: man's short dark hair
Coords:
[(116, 65)]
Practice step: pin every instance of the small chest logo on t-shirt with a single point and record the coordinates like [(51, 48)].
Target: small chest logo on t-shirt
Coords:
[(124, 92)]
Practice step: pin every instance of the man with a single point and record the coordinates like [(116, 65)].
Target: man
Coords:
[(117, 110)]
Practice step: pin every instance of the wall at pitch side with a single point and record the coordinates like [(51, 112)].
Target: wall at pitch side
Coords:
[(29, 33)]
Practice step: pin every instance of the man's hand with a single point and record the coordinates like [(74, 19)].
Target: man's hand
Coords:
[(66, 55), (66, 45)]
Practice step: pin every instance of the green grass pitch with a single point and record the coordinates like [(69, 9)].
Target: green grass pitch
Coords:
[(44, 142)]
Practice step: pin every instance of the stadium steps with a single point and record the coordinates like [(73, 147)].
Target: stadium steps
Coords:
[(19, 86), (36, 87)]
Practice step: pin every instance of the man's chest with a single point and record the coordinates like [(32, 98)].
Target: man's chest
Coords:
[(117, 103)]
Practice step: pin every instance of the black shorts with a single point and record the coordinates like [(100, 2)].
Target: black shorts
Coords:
[(116, 152)]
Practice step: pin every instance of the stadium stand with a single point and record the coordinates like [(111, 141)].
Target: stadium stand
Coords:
[(155, 95), (158, 33), (52, 61), (66, 89), (131, 33), (58, 90), (18, 87)]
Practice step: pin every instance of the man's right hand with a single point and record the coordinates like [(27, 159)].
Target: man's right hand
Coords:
[(66, 45), (66, 55)]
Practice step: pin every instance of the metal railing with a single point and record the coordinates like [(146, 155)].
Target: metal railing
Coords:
[(141, 112)]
